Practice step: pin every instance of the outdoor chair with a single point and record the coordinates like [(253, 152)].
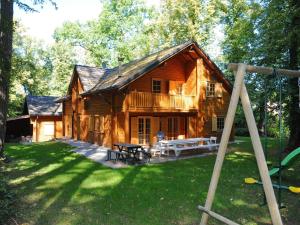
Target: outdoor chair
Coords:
[(213, 140), (158, 147)]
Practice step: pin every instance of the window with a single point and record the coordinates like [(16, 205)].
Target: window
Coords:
[(144, 131), (220, 123), (156, 86), (179, 88), (210, 89), (173, 130)]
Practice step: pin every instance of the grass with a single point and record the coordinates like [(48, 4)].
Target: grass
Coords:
[(57, 186)]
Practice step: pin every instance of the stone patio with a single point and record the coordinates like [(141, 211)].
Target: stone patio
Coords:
[(99, 153)]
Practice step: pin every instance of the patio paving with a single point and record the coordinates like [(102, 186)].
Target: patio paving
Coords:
[(94, 152), (99, 153)]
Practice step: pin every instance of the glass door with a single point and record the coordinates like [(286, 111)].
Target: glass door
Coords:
[(173, 128), (144, 129)]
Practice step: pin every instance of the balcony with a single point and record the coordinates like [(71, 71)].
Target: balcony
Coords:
[(160, 102)]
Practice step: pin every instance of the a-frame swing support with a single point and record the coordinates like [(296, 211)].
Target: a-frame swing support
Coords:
[(240, 91)]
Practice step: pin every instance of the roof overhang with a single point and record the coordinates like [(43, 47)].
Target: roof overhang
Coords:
[(18, 118)]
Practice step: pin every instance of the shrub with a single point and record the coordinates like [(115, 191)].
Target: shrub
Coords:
[(241, 131)]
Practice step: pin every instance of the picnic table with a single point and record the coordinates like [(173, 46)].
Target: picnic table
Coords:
[(132, 149)]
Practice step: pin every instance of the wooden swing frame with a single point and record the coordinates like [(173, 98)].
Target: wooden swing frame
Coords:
[(240, 91)]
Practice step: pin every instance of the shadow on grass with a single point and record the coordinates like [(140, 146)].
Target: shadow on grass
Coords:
[(65, 188)]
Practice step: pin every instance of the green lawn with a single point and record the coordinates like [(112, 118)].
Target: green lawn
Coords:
[(56, 186)]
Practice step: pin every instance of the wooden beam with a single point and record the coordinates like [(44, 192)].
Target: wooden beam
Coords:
[(224, 140), (239, 89), (217, 216), (260, 158), (265, 70)]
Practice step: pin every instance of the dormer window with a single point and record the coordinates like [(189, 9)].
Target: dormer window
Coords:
[(156, 86)]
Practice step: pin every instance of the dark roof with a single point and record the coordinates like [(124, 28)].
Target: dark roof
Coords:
[(63, 98), (89, 76), (43, 106), (134, 69)]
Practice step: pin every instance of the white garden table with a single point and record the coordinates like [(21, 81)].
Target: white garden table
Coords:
[(180, 145)]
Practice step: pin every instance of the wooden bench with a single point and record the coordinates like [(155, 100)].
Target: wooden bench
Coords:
[(118, 155)]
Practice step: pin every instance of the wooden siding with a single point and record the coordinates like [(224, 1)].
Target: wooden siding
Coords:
[(46, 128), (114, 116)]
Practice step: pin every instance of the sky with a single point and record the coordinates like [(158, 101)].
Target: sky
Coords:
[(43, 23)]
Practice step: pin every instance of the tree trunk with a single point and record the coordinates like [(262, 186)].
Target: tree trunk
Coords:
[(294, 111), (6, 33)]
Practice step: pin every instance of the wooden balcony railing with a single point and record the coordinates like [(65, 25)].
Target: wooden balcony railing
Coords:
[(162, 101)]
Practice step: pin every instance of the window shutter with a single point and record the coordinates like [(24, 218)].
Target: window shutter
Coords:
[(192, 128), (97, 120), (155, 129), (101, 124), (214, 123), (91, 123), (134, 130), (219, 91), (172, 87), (70, 126)]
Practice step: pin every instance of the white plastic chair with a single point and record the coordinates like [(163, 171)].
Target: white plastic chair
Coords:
[(213, 140)]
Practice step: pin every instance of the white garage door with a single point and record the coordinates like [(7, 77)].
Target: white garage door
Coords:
[(47, 131)]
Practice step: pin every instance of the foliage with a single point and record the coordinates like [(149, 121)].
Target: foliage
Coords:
[(130, 29), (58, 186), (260, 33), (62, 58), (180, 21), (37, 69), (121, 31), (30, 71)]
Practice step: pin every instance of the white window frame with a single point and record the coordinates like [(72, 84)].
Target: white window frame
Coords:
[(145, 137), (210, 92), (219, 122)]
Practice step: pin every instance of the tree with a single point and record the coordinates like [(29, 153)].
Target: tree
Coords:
[(6, 38), (31, 69), (62, 58), (294, 51), (6, 33), (267, 34), (180, 21), (121, 30)]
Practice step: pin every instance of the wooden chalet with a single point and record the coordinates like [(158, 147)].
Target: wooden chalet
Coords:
[(179, 91), (41, 120)]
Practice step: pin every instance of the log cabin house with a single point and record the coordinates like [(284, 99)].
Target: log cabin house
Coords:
[(41, 120), (179, 91)]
